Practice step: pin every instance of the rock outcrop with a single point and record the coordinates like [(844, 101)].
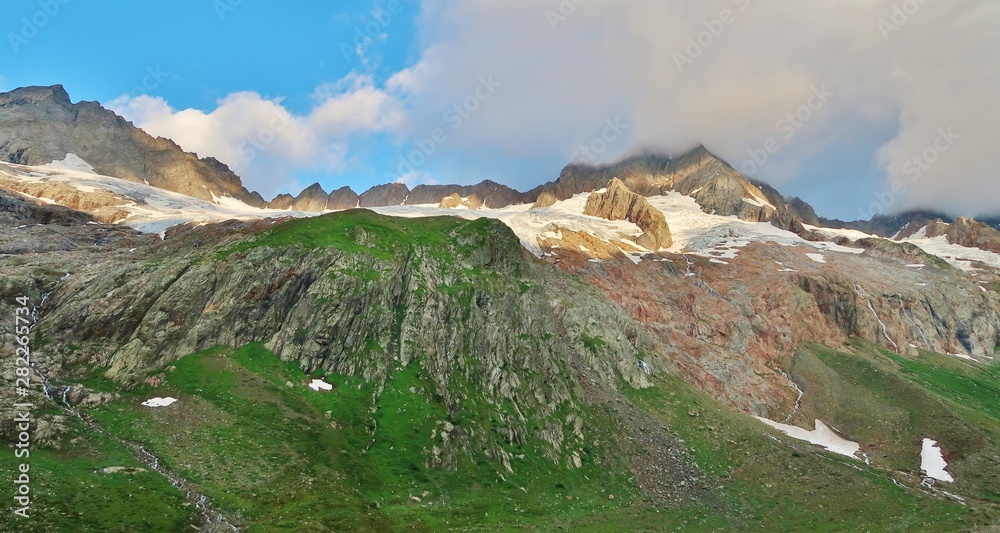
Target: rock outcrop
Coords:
[(39, 125), (545, 199), (619, 203), (455, 201)]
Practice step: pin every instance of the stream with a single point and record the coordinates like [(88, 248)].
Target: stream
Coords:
[(211, 519)]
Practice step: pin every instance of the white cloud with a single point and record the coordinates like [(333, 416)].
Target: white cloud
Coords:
[(261, 139), (565, 73)]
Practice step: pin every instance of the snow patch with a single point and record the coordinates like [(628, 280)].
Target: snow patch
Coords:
[(932, 461), (159, 402), (831, 233), (320, 385), (71, 162), (960, 257), (819, 258), (821, 436)]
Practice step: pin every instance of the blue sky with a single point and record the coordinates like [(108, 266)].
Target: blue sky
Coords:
[(442, 91)]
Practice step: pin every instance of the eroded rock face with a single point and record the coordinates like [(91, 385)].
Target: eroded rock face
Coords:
[(619, 203), (510, 336), (384, 195), (39, 125), (730, 328)]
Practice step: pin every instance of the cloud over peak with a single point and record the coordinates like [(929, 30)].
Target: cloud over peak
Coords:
[(261, 139)]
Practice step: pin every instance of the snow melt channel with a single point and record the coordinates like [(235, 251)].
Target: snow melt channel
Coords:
[(821, 436)]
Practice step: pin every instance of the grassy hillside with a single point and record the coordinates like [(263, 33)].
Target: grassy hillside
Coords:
[(278, 455)]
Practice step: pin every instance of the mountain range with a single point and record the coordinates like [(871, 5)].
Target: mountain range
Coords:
[(656, 344)]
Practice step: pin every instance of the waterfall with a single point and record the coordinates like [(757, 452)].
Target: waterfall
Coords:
[(885, 329), (909, 317), (798, 400)]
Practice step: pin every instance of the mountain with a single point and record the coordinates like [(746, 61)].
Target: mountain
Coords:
[(39, 125), (657, 344)]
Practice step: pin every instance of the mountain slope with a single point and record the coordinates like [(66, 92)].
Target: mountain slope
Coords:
[(450, 356), (39, 125)]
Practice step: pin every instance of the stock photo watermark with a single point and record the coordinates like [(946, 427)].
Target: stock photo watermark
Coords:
[(901, 14), (714, 28), (22, 410), (225, 7), (371, 28), (151, 80), (259, 140), (562, 12), (913, 168), (455, 116), (592, 151), (32, 26), (786, 127)]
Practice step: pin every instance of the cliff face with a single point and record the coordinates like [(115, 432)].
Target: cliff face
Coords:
[(619, 203), (357, 294), (39, 125)]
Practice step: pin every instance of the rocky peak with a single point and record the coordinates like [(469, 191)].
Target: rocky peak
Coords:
[(312, 199), (282, 201), (617, 202), (39, 125), (714, 184), (342, 198), (36, 95), (384, 195), (486, 193)]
